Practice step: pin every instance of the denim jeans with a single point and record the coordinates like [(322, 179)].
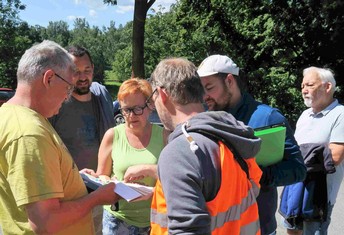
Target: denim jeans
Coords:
[(318, 228), (313, 228), (97, 214), (114, 226)]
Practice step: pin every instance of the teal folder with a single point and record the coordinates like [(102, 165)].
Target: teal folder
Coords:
[(272, 146)]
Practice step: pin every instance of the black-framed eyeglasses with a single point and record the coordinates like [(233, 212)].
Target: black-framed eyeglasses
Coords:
[(148, 102), (151, 96), (137, 110), (70, 85)]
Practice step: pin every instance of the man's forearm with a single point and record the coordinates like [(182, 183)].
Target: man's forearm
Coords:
[(52, 215), (337, 151)]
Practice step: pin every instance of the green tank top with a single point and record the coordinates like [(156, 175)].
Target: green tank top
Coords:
[(123, 156)]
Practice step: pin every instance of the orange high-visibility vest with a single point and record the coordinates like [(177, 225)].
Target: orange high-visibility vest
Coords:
[(234, 210)]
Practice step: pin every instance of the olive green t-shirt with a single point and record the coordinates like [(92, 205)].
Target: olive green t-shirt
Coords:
[(35, 165)]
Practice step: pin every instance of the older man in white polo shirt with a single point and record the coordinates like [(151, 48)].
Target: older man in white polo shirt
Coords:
[(322, 123)]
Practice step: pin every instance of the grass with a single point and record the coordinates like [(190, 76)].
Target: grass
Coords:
[(112, 87), (112, 83)]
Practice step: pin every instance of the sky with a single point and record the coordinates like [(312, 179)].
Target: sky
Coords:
[(96, 13)]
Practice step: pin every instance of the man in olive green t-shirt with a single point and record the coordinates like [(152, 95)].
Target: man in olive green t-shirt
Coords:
[(41, 190)]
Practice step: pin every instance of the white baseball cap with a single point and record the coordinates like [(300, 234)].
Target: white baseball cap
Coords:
[(215, 64)]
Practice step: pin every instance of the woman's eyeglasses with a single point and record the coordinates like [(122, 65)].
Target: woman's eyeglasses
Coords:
[(136, 110)]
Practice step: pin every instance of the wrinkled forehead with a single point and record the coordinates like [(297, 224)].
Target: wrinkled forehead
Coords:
[(311, 77)]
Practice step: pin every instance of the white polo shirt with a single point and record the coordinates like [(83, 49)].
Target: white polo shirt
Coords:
[(326, 126)]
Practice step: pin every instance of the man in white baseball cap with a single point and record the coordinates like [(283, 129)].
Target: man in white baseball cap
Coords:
[(217, 64), (224, 90), (224, 70)]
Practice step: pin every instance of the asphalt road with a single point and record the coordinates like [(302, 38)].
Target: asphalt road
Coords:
[(337, 224)]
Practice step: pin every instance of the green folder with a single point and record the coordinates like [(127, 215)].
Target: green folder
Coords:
[(272, 146)]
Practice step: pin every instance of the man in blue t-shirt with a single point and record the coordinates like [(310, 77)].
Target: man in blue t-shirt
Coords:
[(224, 90)]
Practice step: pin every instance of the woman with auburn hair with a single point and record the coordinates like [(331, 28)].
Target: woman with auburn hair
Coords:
[(130, 152)]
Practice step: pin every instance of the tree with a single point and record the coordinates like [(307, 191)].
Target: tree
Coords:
[(111, 41), (92, 40), (312, 32), (122, 57), (58, 32), (161, 41), (140, 15), (271, 40), (13, 41), (161, 38)]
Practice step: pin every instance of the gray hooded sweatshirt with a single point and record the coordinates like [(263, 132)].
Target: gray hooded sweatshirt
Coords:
[(190, 179)]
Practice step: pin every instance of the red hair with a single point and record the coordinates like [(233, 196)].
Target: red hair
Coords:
[(134, 85)]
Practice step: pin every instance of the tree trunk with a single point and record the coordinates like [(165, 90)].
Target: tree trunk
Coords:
[(140, 14)]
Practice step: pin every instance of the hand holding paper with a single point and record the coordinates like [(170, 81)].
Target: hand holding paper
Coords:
[(127, 191)]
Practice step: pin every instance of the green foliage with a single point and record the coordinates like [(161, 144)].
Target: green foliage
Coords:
[(113, 88), (271, 41), (282, 93), (160, 35), (121, 66), (14, 39), (58, 32), (119, 51), (114, 39), (92, 39)]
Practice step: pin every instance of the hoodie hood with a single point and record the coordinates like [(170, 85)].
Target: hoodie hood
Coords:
[(225, 125)]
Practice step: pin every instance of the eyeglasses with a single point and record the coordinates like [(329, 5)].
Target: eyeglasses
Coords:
[(70, 85), (136, 110), (151, 96)]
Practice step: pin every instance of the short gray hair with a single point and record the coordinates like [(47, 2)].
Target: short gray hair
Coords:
[(325, 75), (180, 79), (41, 57)]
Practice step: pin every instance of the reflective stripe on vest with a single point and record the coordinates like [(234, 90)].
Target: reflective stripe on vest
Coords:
[(251, 228), (159, 218), (235, 209), (234, 212)]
